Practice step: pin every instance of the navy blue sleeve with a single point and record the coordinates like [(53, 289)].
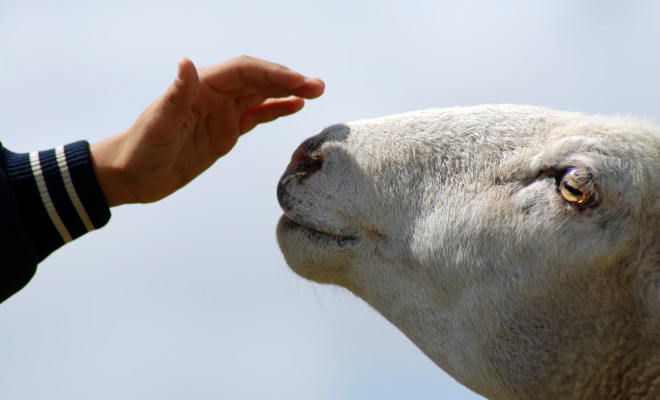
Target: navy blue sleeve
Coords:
[(47, 199)]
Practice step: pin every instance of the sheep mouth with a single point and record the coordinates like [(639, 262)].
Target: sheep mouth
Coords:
[(315, 234), (297, 224)]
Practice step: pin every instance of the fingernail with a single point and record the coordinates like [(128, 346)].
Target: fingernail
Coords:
[(179, 70)]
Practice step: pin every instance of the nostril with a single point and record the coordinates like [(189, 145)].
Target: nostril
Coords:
[(304, 169), (305, 160), (299, 156)]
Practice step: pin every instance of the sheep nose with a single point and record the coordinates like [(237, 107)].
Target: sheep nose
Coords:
[(306, 159)]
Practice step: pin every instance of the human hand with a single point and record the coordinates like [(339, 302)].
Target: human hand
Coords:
[(198, 120)]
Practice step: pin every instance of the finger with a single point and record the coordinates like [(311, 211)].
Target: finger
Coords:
[(182, 93), (310, 89), (269, 111), (244, 71), (251, 100)]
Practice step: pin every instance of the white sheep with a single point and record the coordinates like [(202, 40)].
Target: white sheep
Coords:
[(518, 247)]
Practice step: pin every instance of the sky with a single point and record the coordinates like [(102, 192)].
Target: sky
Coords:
[(190, 297)]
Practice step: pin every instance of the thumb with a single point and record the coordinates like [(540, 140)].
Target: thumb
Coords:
[(182, 93)]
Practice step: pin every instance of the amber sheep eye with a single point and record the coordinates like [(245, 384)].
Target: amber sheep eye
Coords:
[(576, 187)]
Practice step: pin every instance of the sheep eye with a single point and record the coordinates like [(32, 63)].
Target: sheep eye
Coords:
[(576, 187)]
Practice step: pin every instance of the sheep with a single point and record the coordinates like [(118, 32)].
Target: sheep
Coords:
[(518, 247)]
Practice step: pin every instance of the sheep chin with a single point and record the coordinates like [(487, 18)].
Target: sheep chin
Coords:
[(324, 257)]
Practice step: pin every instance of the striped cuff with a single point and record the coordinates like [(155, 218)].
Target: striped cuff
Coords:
[(58, 195)]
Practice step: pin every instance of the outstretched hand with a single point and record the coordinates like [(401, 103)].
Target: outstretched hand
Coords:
[(198, 120)]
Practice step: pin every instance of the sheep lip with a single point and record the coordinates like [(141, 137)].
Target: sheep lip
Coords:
[(294, 224), (298, 224)]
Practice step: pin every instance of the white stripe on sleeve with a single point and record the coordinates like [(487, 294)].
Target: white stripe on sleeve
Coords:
[(45, 197), (71, 190)]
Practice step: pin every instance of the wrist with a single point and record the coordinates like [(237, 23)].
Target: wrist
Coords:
[(105, 155)]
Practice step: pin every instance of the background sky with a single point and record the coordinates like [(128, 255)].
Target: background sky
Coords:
[(190, 297)]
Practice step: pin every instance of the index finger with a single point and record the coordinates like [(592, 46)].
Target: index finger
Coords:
[(244, 71)]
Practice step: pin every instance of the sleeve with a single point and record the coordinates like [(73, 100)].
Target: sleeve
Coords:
[(47, 199)]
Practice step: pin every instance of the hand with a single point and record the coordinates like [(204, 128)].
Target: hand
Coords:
[(196, 121)]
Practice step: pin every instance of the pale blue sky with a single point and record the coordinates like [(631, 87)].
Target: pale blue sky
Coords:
[(190, 297)]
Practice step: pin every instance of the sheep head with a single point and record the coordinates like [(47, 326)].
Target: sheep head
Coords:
[(518, 247)]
